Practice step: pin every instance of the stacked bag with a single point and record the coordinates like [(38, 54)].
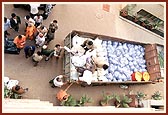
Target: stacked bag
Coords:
[(124, 59)]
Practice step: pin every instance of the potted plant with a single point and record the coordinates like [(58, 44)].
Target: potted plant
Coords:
[(106, 99), (84, 100), (133, 97), (140, 96), (124, 102), (69, 102), (8, 93), (157, 96)]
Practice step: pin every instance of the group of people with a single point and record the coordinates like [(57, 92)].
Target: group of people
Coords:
[(41, 35)]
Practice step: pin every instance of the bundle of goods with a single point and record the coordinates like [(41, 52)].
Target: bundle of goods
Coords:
[(124, 60)]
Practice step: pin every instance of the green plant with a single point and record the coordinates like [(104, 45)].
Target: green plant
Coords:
[(69, 102), (106, 99), (83, 100), (122, 102), (140, 95), (10, 94), (157, 96), (157, 24)]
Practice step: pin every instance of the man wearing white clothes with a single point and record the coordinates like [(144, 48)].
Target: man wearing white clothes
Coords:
[(40, 40), (38, 20), (58, 81), (6, 26), (34, 10)]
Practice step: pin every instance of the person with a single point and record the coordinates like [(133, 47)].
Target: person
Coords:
[(30, 31), (57, 51), (100, 62), (50, 35), (37, 57), (18, 89), (15, 21), (40, 40), (42, 29), (28, 20), (7, 25), (58, 81), (47, 52), (20, 41), (88, 45), (53, 25), (29, 50), (34, 10), (38, 20)]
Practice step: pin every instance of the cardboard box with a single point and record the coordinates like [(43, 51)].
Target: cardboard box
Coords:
[(151, 54)]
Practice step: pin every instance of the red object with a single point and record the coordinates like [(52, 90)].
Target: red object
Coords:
[(106, 7), (136, 76), (145, 76)]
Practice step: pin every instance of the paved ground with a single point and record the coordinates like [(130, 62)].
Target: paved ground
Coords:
[(36, 78)]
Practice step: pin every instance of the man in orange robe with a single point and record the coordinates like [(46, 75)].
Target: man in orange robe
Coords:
[(20, 41)]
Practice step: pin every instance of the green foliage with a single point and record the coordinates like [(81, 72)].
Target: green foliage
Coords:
[(161, 58), (157, 96), (122, 102), (73, 102), (9, 94), (69, 102), (106, 99), (140, 95), (84, 99)]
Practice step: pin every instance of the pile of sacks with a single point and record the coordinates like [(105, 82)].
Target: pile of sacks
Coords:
[(124, 59)]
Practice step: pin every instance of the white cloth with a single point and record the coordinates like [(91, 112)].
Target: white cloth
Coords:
[(87, 77), (38, 20), (12, 83), (7, 25), (29, 21), (34, 8), (40, 40), (57, 83)]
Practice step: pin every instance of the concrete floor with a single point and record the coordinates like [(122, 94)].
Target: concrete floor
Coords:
[(36, 78)]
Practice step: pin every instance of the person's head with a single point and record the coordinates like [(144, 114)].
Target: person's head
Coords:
[(41, 35), (17, 87), (105, 66), (44, 47), (59, 79), (65, 97), (20, 36), (13, 15), (38, 15), (27, 17), (39, 53), (57, 45), (55, 21), (5, 19), (90, 43)]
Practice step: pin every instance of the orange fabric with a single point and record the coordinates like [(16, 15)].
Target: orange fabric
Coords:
[(20, 42), (30, 30), (20, 91), (61, 94)]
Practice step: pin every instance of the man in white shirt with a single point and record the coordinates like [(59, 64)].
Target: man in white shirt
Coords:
[(28, 20), (6, 26), (40, 40), (38, 20), (58, 81), (34, 10)]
